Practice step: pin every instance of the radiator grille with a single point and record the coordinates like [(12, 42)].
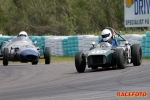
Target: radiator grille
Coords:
[(96, 59)]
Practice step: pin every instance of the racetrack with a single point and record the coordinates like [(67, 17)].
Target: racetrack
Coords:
[(60, 81)]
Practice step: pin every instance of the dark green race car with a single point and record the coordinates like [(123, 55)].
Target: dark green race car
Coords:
[(104, 55)]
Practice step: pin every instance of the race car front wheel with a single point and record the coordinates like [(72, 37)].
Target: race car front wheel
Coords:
[(136, 54), (121, 58), (80, 62), (5, 56)]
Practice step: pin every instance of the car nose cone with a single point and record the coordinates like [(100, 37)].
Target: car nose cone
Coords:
[(29, 55)]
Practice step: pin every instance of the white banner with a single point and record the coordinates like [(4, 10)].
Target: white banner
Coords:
[(137, 13)]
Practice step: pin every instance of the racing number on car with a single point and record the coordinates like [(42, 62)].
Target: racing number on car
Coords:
[(98, 51)]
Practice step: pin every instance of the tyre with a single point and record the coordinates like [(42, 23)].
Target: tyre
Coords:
[(5, 56), (121, 58), (136, 54), (35, 62), (80, 62), (47, 55)]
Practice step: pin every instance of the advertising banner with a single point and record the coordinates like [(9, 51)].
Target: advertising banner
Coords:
[(137, 13)]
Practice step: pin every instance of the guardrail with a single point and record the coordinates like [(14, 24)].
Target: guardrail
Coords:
[(69, 45)]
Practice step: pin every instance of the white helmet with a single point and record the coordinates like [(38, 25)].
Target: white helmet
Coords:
[(106, 34), (23, 33)]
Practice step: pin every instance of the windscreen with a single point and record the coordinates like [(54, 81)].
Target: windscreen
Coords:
[(20, 38), (104, 44)]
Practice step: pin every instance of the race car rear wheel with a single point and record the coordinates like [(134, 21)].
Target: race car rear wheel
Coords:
[(35, 62), (47, 55), (136, 54), (80, 62), (5, 56), (121, 58)]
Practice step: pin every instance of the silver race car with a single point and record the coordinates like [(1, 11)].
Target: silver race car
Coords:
[(24, 50)]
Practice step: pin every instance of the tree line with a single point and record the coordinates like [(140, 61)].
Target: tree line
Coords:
[(60, 17)]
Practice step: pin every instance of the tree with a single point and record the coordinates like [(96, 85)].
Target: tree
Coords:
[(57, 17)]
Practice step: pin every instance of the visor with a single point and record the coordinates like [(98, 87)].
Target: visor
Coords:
[(106, 35), (22, 35)]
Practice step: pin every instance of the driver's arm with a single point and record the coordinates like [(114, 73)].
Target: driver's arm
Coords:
[(114, 43)]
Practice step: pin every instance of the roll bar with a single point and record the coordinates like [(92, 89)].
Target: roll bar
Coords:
[(118, 33)]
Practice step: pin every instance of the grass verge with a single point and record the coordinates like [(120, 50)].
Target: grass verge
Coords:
[(54, 59), (146, 59), (57, 59)]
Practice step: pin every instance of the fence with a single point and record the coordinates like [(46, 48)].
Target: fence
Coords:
[(70, 45)]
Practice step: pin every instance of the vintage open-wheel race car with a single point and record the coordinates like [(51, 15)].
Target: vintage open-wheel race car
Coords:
[(104, 55), (24, 50)]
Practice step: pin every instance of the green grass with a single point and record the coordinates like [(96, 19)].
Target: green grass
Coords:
[(58, 59), (146, 59), (54, 59)]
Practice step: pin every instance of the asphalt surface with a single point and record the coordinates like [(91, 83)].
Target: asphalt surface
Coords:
[(60, 81)]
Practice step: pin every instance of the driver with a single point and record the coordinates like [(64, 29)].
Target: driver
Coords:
[(23, 33), (108, 36), (21, 36)]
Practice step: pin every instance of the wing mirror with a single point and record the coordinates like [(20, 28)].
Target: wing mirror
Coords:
[(127, 43), (93, 44), (35, 42)]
